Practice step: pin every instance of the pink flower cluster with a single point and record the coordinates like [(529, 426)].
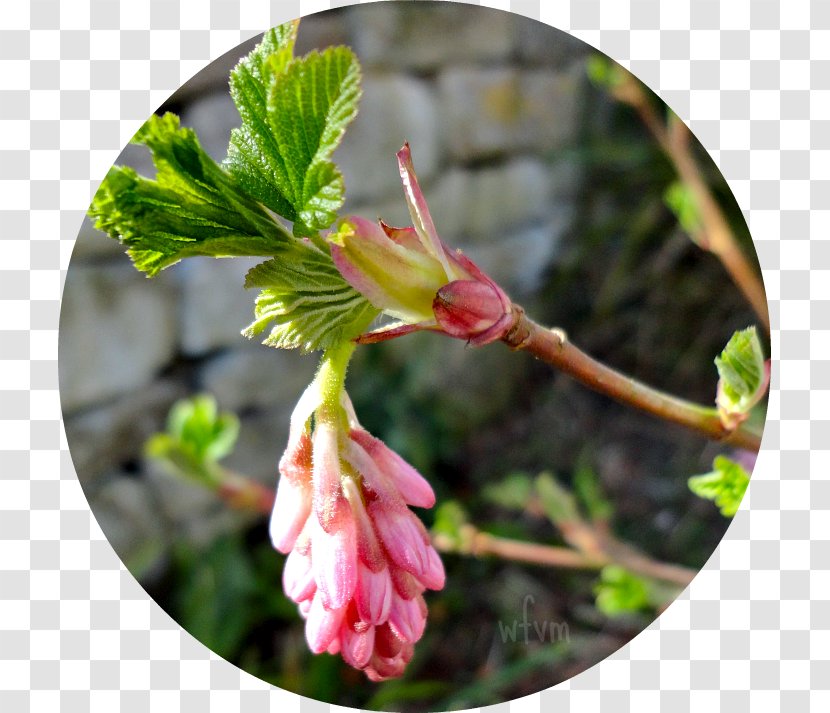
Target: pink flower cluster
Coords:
[(358, 559)]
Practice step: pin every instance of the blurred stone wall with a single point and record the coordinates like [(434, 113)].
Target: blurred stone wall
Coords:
[(490, 103)]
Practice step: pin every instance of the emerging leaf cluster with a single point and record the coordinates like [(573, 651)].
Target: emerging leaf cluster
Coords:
[(618, 591), (743, 376), (725, 485), (294, 111), (197, 437)]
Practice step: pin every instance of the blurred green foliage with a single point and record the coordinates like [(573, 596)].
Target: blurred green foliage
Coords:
[(619, 591), (197, 436), (725, 485)]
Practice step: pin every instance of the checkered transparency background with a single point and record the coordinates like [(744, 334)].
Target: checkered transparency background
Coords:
[(77, 78)]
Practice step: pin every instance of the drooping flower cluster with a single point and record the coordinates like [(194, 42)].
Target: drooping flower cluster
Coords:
[(358, 559), (411, 275)]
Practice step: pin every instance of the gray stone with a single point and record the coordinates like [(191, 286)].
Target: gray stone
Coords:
[(485, 204), (258, 377), (92, 244), (132, 523), (194, 512), (117, 330), (424, 36), (519, 261), (214, 306), (105, 438), (393, 109), (538, 43), (489, 112), (212, 77), (212, 115), (262, 440), (323, 29)]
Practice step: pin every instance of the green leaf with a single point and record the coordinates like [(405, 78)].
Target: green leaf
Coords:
[(725, 485), (604, 72), (559, 504), (587, 488), (309, 303), (514, 492), (293, 115), (618, 591), (682, 203), (193, 207), (743, 376), (450, 521), (197, 437)]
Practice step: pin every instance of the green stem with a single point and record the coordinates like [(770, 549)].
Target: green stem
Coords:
[(552, 346), (331, 378)]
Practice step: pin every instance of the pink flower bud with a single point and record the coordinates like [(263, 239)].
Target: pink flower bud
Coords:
[(357, 647), (403, 536), (322, 625), (326, 474), (373, 595), (334, 562), (408, 481), (472, 310), (407, 618), (410, 274), (298, 577), (292, 506)]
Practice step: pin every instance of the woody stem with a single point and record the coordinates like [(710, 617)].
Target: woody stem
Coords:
[(553, 347)]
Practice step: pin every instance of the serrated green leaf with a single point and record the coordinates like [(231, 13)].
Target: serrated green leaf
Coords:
[(293, 118), (725, 485), (193, 207), (618, 591), (306, 300), (743, 376)]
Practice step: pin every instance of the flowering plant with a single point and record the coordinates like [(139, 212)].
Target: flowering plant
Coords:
[(359, 561)]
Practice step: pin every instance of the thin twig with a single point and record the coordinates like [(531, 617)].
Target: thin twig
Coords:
[(553, 347), (482, 544), (719, 239)]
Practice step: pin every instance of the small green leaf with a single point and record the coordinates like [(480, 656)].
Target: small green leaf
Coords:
[(193, 207), (514, 492), (587, 488), (725, 485), (743, 377), (309, 303), (197, 437), (604, 72), (618, 591), (682, 203), (450, 519), (559, 504), (293, 115)]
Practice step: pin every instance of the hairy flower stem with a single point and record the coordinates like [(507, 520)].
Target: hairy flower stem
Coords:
[(552, 346), (331, 377)]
